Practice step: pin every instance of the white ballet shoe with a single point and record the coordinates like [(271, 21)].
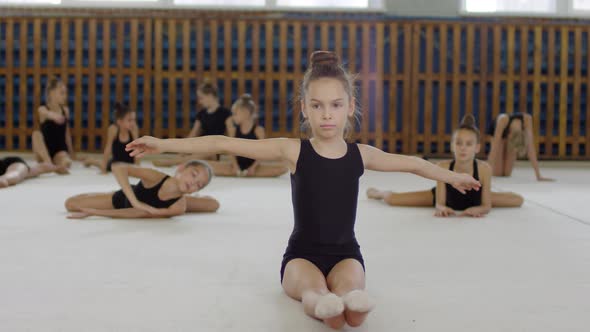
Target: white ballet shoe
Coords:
[(358, 301), (329, 305)]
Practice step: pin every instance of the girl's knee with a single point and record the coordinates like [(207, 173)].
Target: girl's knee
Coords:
[(71, 204), (518, 200)]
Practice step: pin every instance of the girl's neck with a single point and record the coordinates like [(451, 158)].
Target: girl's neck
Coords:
[(171, 188), (123, 130), (53, 106), (213, 107), (334, 147), (464, 166)]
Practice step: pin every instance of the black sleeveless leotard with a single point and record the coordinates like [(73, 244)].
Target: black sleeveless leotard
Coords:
[(145, 195), (324, 194), (456, 200)]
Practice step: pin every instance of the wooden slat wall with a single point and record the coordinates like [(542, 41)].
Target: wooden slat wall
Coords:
[(503, 66)]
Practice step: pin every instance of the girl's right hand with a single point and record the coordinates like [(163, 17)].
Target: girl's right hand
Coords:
[(144, 145), (444, 211)]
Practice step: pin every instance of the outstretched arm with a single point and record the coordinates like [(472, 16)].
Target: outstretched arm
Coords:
[(282, 149), (531, 150), (377, 160)]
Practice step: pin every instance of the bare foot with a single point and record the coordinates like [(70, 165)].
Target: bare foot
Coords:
[(62, 170), (358, 305), (329, 308), (374, 193), (4, 183)]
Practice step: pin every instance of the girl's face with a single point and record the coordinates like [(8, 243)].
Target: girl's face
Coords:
[(128, 122), (327, 107), (465, 145), (59, 95), (206, 100), (192, 178), (240, 115)]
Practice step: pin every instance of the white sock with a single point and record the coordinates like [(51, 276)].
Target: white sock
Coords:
[(329, 305), (358, 301)]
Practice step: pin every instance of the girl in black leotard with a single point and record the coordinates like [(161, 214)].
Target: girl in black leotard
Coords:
[(156, 195), (53, 143), (465, 145), (322, 265), (14, 170), (211, 119), (119, 134), (243, 124), (512, 138)]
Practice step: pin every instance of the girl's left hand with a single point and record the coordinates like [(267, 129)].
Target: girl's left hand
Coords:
[(463, 182)]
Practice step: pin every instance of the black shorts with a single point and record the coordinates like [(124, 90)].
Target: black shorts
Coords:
[(244, 163), (324, 262), (120, 201), (6, 162)]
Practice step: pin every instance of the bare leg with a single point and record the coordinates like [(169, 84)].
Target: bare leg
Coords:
[(304, 282), (15, 173), (506, 199), (102, 201), (222, 168), (43, 168), (39, 148), (269, 171), (87, 162), (509, 159), (415, 198), (201, 204), (347, 279), (63, 161)]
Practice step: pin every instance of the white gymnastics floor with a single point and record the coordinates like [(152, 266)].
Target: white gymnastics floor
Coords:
[(522, 269)]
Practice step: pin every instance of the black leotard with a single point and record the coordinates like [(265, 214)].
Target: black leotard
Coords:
[(145, 195), (243, 162), (456, 200), (54, 135), (324, 194), (119, 153)]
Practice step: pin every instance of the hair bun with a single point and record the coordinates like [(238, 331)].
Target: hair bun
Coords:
[(324, 58), (468, 120), (246, 97)]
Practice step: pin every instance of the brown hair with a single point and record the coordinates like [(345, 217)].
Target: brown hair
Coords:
[(324, 64), (207, 88), (246, 101), (468, 123), (121, 110), (52, 83)]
